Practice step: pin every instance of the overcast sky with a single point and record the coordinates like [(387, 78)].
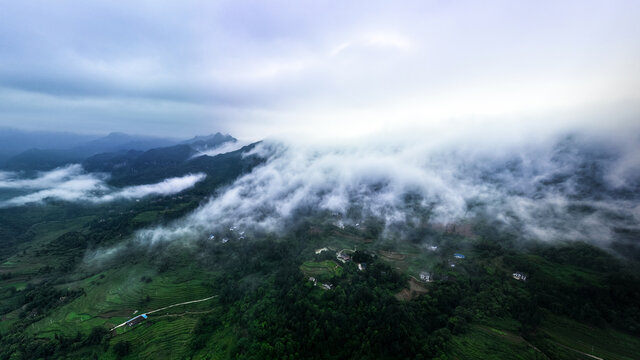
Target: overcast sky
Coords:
[(261, 68)]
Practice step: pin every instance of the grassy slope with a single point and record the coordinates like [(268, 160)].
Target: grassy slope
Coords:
[(111, 297), (114, 298), (556, 338), (484, 342), (29, 262), (30, 258), (326, 268), (165, 338), (556, 333)]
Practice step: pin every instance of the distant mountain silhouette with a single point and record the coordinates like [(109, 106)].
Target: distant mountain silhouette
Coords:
[(117, 141), (36, 159), (136, 167), (207, 142), (15, 141), (125, 156)]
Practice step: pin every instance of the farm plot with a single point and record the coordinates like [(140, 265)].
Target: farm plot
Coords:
[(327, 268)]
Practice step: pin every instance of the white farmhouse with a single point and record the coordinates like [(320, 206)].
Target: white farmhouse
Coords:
[(519, 276)]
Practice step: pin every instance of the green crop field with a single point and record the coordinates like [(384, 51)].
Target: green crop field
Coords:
[(556, 334), (327, 268), (483, 342), (114, 298), (164, 338)]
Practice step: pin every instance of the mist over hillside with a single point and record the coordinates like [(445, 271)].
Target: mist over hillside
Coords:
[(41, 150), (126, 174), (73, 184), (568, 186), (369, 180)]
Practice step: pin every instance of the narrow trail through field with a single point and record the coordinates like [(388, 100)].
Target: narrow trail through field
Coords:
[(184, 313), (576, 350), (167, 307)]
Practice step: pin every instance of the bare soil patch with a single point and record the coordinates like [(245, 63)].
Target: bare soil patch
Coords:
[(415, 290)]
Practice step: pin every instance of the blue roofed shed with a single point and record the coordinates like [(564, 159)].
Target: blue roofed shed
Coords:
[(137, 320)]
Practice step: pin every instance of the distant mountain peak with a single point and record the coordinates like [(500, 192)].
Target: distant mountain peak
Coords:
[(117, 134), (203, 142), (216, 136)]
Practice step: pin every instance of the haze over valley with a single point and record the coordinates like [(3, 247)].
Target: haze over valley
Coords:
[(247, 180)]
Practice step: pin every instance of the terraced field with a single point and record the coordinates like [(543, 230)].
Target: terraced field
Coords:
[(327, 268), (165, 338), (114, 298), (483, 342)]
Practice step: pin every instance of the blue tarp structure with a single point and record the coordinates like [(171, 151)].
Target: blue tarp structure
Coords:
[(136, 320)]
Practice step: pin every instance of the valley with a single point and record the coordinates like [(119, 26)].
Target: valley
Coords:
[(77, 278), (320, 180)]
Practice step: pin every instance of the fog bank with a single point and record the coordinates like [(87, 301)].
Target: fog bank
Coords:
[(72, 183), (578, 185)]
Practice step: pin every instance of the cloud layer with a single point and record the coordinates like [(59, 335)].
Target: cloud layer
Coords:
[(71, 183), (226, 147), (572, 187)]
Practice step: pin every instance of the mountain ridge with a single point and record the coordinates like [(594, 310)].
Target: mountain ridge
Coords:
[(116, 144)]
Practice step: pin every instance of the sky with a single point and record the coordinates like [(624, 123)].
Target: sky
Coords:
[(325, 69)]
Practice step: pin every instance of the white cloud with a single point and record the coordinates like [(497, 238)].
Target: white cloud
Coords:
[(536, 187), (166, 187), (71, 183), (13, 180), (78, 188), (226, 147), (389, 39)]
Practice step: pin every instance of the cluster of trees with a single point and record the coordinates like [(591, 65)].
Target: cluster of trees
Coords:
[(285, 316), (584, 283), (90, 345), (34, 303)]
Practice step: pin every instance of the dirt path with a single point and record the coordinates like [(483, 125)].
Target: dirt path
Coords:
[(512, 337), (183, 314), (182, 303), (578, 351), (509, 336), (167, 307), (536, 349)]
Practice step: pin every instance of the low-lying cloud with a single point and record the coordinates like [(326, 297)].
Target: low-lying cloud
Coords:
[(571, 187), (72, 183), (13, 180), (224, 148)]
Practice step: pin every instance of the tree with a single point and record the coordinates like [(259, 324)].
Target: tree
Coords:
[(123, 348), (96, 335)]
